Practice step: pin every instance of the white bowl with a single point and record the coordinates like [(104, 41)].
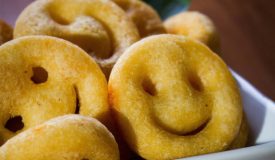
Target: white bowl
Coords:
[(260, 112)]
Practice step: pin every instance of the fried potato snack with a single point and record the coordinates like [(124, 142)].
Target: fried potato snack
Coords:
[(173, 98), (70, 137), (100, 27), (242, 138), (43, 77), (194, 25), (144, 16), (5, 32)]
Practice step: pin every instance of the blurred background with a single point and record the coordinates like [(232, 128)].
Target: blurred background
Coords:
[(247, 30), (246, 27)]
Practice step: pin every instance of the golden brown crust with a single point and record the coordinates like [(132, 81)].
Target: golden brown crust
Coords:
[(144, 16), (43, 77), (71, 137), (194, 25), (99, 27), (174, 98), (5, 32), (242, 137)]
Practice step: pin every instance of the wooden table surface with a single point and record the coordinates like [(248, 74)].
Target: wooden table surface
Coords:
[(247, 30)]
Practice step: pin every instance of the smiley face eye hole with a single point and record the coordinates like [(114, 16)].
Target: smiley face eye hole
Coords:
[(77, 106), (77, 102), (40, 75), (14, 124), (149, 87), (195, 82)]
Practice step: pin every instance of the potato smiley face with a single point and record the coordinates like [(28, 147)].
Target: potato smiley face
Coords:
[(99, 27), (43, 77), (66, 137), (176, 94)]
